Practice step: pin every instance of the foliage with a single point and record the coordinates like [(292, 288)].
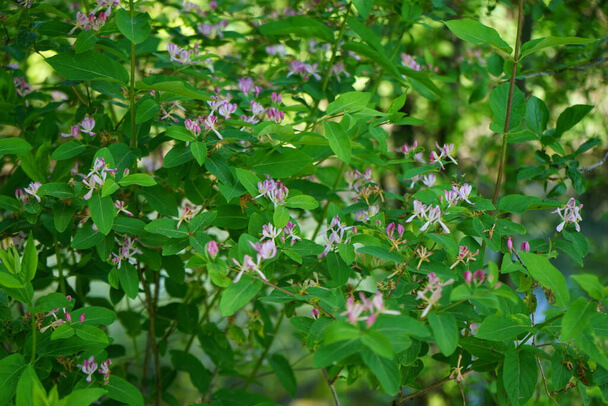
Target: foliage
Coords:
[(185, 182)]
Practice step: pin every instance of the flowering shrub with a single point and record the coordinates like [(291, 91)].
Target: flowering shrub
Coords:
[(179, 179)]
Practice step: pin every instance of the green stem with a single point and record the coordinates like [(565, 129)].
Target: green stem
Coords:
[(266, 349), (326, 208), (62, 286), (34, 335), (503, 150), (132, 83)]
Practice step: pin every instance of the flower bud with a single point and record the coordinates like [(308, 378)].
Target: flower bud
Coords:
[(82, 318), (212, 249), (468, 277), (525, 246), (315, 313), (478, 277), (510, 244)]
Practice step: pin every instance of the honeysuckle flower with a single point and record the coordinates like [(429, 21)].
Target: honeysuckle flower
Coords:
[(246, 85), (270, 231), (74, 132), (104, 369), (276, 50), (289, 231), (276, 98), (395, 240), (478, 277), (464, 192), (87, 125), (407, 149), (89, 367), (315, 313), (451, 197), (338, 69), (256, 108), (54, 324), (429, 180), (167, 110), (21, 86), (456, 373), (187, 213), (525, 246), (274, 190), (212, 249), (95, 179), (226, 109), (353, 311), (265, 250), (126, 252), (178, 54), (419, 212), (120, 205), (210, 124), (276, 115), (303, 69), (365, 215), (32, 190), (510, 244), (82, 317), (432, 292), (468, 277), (193, 127), (570, 214), (247, 266), (464, 256), (409, 62), (335, 235), (445, 153), (424, 254), (433, 216)]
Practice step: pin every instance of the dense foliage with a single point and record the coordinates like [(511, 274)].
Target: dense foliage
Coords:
[(241, 189)]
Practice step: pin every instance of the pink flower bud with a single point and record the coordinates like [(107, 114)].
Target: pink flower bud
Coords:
[(315, 313), (478, 277), (82, 318), (69, 298), (468, 277), (212, 249), (525, 246), (68, 317), (510, 244)]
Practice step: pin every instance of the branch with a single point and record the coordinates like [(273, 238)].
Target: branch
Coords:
[(557, 71), (596, 165), (424, 391), (330, 382)]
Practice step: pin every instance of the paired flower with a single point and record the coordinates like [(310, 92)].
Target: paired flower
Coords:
[(464, 256), (97, 177), (395, 239), (31, 190), (89, 367), (120, 205), (337, 235), (22, 87), (304, 69), (570, 214), (432, 292), (445, 154), (276, 50), (375, 307), (126, 252), (476, 277), (274, 190), (179, 55), (430, 214), (86, 126)]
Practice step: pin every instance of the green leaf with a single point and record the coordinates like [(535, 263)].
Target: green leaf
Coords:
[(30, 391), (590, 284), (167, 227), (29, 262), (520, 203), (140, 179), (570, 117), (577, 317), (248, 180), (386, 371), (519, 375), (102, 212), (200, 377), (477, 33), (302, 202), (339, 142), (503, 327), (9, 281), (238, 295), (11, 368), (58, 190), (378, 343), (90, 333), (94, 315), (550, 277), (282, 164), (537, 115), (538, 44), (85, 238), (14, 145), (180, 133), (161, 200), (122, 391), (349, 101), (88, 65), (366, 34), (146, 111), (68, 150), (280, 217), (334, 352), (136, 29), (85, 41), (178, 155), (83, 397), (284, 373), (364, 7), (499, 98), (300, 26), (445, 331), (62, 332), (129, 281), (199, 151), (381, 252), (171, 85)]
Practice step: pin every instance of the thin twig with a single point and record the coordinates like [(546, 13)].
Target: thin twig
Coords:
[(560, 70), (596, 165), (330, 383), (542, 374), (426, 390)]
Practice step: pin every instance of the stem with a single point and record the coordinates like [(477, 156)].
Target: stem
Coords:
[(33, 359), (424, 391), (266, 349), (331, 387), (326, 208), (150, 304), (60, 268), (334, 51), (503, 151), (132, 83)]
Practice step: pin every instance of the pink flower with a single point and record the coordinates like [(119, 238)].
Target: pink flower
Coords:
[(32, 190), (525, 246), (105, 370), (247, 266), (570, 214), (276, 115), (274, 190), (89, 366), (315, 313), (276, 98), (212, 249)]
